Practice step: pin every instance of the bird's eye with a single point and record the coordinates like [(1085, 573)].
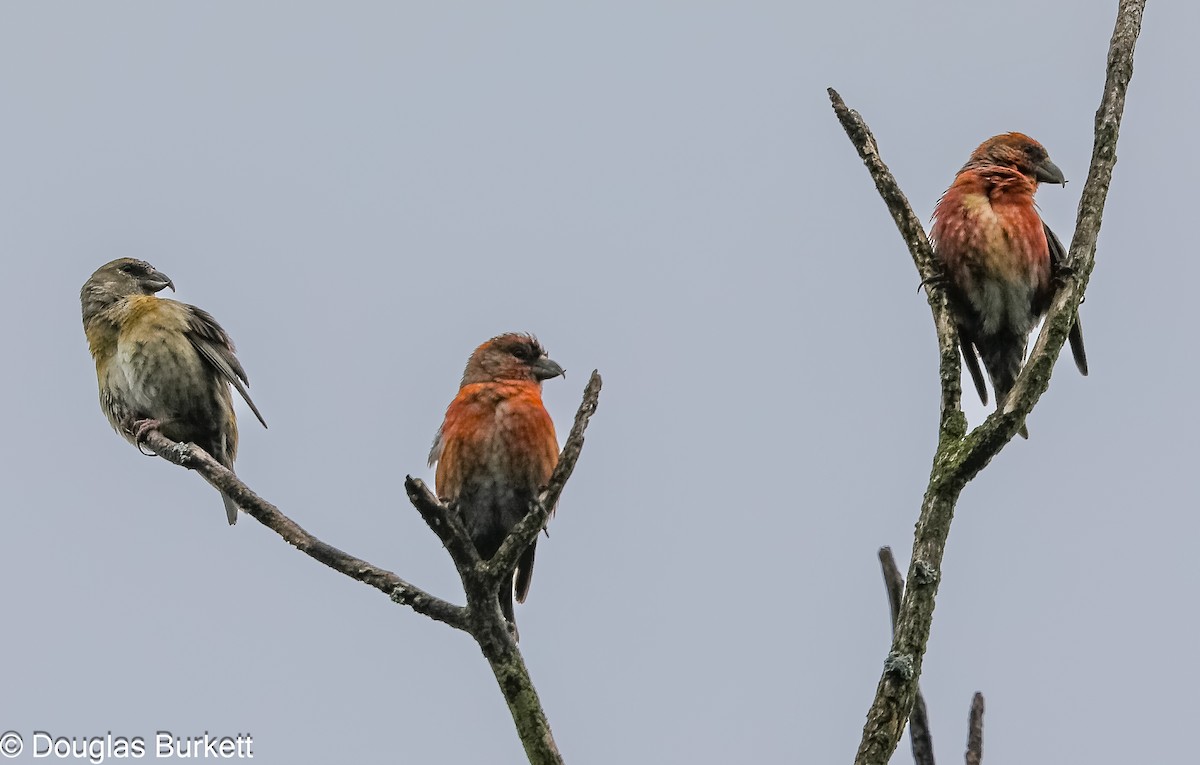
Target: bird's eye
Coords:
[(524, 352), (131, 268)]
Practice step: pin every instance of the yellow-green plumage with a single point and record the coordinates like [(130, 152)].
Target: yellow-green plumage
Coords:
[(162, 361)]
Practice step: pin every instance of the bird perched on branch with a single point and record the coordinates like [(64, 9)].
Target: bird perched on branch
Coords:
[(496, 448), (1002, 263), (161, 364)]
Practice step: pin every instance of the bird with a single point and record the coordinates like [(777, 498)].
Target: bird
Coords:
[(162, 364), (497, 448), (1001, 263)]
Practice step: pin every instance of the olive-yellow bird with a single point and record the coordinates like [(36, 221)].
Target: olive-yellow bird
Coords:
[(162, 364)]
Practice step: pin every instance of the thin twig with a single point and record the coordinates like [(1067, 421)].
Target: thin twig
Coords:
[(220, 477), (918, 723), (1035, 377), (893, 580), (953, 423), (959, 459), (975, 731), (523, 534), (444, 522)]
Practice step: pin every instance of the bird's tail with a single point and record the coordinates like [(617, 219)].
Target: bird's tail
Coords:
[(525, 571), (231, 509), (1077, 349), (506, 607), (967, 346), (223, 450), (519, 582), (1002, 358)]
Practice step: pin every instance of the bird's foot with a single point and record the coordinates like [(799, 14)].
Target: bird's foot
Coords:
[(141, 429), (1064, 273), (937, 280)]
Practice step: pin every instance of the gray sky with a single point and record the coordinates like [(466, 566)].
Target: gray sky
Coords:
[(363, 193)]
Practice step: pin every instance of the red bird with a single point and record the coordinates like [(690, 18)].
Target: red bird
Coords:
[(497, 448), (1001, 261)]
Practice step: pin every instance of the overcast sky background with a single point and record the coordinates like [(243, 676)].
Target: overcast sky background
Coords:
[(363, 192)]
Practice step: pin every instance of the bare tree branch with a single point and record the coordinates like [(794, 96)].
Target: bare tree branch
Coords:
[(953, 423), (918, 723), (893, 580), (481, 581), (960, 458), (1035, 377), (223, 479), (481, 617), (499, 647), (975, 731), (505, 560), (444, 522)]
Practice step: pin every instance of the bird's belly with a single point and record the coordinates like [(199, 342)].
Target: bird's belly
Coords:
[(1001, 276), (160, 380), (490, 504), (1003, 305), (495, 494)]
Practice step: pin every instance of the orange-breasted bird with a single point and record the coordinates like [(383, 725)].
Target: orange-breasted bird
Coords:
[(496, 448), (1002, 263), (162, 364)]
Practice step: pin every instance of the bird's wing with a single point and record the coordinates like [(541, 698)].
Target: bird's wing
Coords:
[(435, 451), (1058, 264), (215, 346)]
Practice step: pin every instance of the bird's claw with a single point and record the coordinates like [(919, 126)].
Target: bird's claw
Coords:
[(1064, 272), (936, 280), (141, 429)]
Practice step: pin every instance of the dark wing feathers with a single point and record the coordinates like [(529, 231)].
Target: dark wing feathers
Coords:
[(1077, 349), (1058, 262), (1058, 253), (967, 345), (216, 347), (524, 572)]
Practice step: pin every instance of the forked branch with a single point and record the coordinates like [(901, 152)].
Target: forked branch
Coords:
[(481, 617), (960, 455)]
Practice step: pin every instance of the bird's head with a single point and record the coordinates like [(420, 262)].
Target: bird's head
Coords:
[(1020, 152), (512, 356), (120, 279)]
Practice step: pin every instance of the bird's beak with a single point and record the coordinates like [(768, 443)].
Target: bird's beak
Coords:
[(156, 281), (1048, 172), (545, 369)]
